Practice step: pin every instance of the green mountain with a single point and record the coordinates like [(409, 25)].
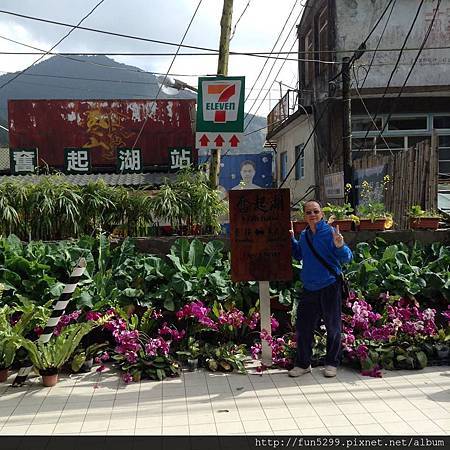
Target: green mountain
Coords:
[(97, 77)]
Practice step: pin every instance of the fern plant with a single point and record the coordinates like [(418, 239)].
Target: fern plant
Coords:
[(49, 357), (10, 335)]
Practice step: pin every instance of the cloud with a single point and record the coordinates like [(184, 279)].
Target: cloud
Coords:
[(157, 19)]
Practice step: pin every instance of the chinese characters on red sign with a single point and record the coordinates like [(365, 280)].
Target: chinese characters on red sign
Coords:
[(260, 240)]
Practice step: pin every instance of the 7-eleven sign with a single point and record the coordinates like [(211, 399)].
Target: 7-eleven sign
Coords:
[(220, 106)]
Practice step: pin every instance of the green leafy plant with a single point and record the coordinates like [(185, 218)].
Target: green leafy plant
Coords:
[(10, 334), (416, 212), (227, 357), (49, 357)]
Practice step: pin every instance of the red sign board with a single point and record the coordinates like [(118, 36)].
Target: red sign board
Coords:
[(101, 126), (259, 232)]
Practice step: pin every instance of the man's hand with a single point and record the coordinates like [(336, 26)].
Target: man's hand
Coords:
[(291, 231), (338, 239)]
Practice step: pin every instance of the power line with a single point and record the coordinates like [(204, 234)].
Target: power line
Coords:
[(156, 41), (273, 48), (378, 43), (311, 134), (168, 71), (380, 102), (427, 34), (239, 19), (276, 76), (59, 42)]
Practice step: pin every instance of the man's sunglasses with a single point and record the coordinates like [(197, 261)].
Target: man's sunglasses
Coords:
[(308, 213)]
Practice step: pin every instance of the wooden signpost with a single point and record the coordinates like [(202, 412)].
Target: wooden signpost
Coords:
[(260, 244)]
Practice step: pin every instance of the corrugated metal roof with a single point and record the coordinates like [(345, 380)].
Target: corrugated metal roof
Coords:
[(151, 179)]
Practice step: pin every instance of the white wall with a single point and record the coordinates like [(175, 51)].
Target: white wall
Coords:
[(288, 138), (355, 18)]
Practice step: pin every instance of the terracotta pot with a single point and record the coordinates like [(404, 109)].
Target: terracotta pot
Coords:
[(376, 225), (424, 223), (299, 226), (344, 224), (3, 375), (49, 380)]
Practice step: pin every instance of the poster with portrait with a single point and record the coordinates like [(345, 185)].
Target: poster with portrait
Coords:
[(245, 171)]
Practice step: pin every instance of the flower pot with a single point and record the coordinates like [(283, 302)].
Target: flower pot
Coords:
[(299, 226), (424, 223), (443, 353), (376, 225), (344, 224), (3, 375), (49, 380), (192, 364)]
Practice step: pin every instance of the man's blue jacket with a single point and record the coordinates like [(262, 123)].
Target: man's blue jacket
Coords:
[(313, 274)]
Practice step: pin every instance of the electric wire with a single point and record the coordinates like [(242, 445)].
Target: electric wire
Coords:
[(427, 34), (273, 48), (59, 42), (239, 19), (378, 43), (168, 71), (381, 99)]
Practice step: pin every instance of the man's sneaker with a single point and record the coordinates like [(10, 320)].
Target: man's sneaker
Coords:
[(298, 371), (330, 371)]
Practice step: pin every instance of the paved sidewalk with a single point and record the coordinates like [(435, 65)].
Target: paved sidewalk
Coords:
[(205, 403)]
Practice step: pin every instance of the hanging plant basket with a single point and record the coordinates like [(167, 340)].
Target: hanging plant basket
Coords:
[(424, 223), (376, 225)]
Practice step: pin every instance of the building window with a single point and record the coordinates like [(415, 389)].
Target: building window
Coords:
[(408, 123), (441, 122), (309, 55), (300, 162), (323, 40), (444, 157), (283, 166)]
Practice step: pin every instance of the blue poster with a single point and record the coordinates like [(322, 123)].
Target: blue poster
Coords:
[(248, 171)]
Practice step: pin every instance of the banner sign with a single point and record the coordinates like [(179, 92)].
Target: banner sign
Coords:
[(259, 233)]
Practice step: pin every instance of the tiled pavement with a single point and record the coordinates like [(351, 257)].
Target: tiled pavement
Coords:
[(204, 403)]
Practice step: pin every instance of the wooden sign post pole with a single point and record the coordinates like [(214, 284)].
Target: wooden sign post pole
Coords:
[(264, 311)]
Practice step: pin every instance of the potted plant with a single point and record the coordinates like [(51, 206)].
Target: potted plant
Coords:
[(371, 211), (10, 337), (340, 215), (83, 359), (191, 354), (373, 216), (49, 357), (421, 219), (298, 220)]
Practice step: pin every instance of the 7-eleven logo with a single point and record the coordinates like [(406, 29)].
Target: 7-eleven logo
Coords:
[(221, 101)]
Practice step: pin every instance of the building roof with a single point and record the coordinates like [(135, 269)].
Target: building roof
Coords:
[(151, 179)]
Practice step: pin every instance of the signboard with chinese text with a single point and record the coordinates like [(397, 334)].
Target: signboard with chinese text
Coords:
[(129, 160), (77, 160), (334, 185), (23, 160), (259, 233), (180, 158), (220, 112)]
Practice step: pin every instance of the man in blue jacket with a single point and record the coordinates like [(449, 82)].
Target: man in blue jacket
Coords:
[(322, 295)]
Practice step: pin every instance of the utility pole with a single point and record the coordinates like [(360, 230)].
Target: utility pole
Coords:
[(347, 129), (222, 69)]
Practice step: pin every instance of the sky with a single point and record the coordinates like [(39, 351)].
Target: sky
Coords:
[(167, 20)]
